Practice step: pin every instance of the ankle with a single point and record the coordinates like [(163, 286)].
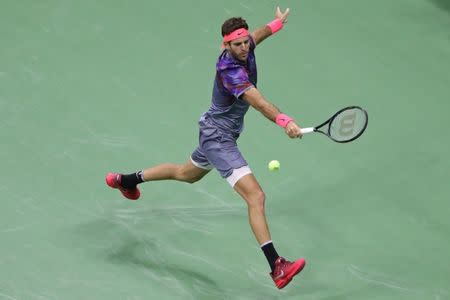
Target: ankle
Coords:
[(130, 181), (270, 253)]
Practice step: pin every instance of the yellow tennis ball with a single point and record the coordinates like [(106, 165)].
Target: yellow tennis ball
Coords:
[(274, 165)]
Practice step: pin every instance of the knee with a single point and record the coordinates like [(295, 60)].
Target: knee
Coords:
[(192, 179), (257, 200), (186, 176)]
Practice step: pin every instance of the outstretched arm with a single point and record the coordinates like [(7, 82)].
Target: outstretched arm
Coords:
[(270, 111), (264, 32)]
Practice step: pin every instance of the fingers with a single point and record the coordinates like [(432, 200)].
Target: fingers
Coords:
[(278, 11), (294, 135), (285, 15), (282, 15), (293, 130)]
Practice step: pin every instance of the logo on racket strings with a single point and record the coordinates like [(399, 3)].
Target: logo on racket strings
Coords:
[(347, 124)]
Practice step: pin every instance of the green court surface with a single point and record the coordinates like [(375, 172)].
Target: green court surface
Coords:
[(88, 87)]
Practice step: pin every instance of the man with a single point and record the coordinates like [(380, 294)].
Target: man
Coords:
[(234, 92)]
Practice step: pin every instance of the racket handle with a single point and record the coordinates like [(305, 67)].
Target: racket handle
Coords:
[(307, 130)]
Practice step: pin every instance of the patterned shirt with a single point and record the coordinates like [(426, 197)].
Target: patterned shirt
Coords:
[(233, 78)]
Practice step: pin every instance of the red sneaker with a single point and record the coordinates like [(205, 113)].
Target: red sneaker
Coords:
[(113, 180), (285, 271)]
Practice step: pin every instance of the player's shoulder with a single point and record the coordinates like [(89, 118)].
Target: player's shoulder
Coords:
[(226, 62)]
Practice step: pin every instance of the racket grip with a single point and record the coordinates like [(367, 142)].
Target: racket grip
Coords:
[(307, 130)]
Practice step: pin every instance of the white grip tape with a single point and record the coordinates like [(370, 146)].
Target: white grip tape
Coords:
[(307, 130)]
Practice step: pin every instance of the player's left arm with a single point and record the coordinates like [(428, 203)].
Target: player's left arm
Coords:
[(262, 33)]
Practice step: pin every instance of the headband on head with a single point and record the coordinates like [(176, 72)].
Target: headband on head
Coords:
[(238, 33)]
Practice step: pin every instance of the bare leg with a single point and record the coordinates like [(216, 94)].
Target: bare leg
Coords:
[(249, 189), (182, 172)]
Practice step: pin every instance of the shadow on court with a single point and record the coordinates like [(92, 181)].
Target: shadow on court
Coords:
[(442, 4), (188, 278), (122, 246), (323, 290)]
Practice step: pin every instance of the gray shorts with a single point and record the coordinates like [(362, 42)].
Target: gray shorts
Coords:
[(218, 149)]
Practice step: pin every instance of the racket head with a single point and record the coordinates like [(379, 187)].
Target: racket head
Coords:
[(346, 125)]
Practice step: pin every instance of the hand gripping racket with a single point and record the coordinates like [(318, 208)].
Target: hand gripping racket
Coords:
[(345, 126)]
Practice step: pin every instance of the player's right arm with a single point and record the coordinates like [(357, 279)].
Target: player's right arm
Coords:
[(270, 111)]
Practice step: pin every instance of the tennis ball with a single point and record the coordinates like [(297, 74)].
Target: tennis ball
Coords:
[(274, 165)]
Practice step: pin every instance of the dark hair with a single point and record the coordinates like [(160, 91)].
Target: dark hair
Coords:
[(232, 24)]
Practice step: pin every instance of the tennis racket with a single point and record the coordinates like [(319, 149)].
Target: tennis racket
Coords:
[(345, 126)]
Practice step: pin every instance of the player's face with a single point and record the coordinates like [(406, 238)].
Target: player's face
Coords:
[(239, 48)]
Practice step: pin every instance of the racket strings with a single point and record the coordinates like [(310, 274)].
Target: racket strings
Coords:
[(348, 125)]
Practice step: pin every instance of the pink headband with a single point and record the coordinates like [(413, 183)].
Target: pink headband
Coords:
[(238, 33)]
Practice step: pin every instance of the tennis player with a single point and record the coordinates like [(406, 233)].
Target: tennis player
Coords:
[(234, 91)]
